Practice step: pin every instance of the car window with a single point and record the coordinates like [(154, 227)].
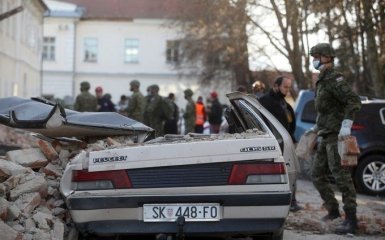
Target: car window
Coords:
[(271, 126), (251, 117), (309, 114)]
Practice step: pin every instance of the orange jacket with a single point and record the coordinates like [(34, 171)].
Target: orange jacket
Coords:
[(200, 114)]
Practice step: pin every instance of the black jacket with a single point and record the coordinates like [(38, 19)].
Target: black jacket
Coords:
[(276, 104)]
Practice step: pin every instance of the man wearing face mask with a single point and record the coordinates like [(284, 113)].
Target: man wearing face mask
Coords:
[(275, 102), (336, 105)]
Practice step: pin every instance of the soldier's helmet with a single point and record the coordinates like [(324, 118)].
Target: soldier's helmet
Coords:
[(188, 92), (135, 83), (258, 86), (323, 49), (85, 85)]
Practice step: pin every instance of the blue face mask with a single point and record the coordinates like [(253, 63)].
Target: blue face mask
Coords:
[(316, 64)]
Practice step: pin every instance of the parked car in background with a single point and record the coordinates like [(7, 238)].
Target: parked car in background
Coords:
[(368, 128)]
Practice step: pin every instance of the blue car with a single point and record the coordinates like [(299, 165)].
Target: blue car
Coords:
[(368, 128)]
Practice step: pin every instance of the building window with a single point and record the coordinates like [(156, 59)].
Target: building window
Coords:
[(172, 51), (131, 50), (90, 50), (49, 48)]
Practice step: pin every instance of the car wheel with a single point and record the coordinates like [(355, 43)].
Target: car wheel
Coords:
[(370, 175)]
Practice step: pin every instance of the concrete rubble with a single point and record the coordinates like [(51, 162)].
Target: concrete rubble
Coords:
[(31, 206)]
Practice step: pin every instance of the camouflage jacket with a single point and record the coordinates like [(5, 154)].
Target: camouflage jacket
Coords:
[(85, 102), (135, 108), (156, 111), (189, 116), (334, 102)]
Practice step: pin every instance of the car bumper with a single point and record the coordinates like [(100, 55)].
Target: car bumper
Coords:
[(223, 227), (241, 214)]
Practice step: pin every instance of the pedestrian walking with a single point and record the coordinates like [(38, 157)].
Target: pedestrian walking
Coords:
[(274, 101), (215, 114), (189, 114), (135, 108), (336, 105), (85, 101), (200, 115)]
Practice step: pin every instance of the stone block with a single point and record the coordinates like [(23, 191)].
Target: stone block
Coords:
[(9, 168), (53, 170), (27, 202), (48, 150), (13, 213), (8, 233), (35, 184), (4, 204), (31, 157)]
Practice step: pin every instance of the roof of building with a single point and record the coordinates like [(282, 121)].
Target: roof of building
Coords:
[(128, 9), (62, 9)]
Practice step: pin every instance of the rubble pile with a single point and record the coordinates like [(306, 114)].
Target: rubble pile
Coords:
[(31, 206), (12, 137)]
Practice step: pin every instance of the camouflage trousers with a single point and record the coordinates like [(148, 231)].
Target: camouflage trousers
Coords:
[(327, 158)]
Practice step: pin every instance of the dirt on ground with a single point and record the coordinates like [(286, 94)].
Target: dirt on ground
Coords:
[(307, 223)]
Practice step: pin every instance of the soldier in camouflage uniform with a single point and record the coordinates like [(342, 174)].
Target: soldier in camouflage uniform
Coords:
[(189, 114), (85, 101), (156, 111), (336, 106), (135, 108)]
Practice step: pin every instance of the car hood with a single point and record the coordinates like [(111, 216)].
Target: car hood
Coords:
[(50, 119)]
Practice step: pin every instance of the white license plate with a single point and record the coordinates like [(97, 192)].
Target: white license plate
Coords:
[(190, 211)]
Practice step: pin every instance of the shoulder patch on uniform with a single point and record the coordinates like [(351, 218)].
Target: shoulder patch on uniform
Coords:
[(339, 79)]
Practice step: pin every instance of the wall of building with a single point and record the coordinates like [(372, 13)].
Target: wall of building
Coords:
[(63, 76), (20, 49)]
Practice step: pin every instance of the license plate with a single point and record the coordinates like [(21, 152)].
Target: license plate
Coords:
[(191, 212)]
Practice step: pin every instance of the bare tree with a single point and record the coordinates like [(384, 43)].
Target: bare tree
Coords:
[(213, 36), (290, 17)]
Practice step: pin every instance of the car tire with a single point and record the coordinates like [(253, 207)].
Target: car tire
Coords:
[(370, 175)]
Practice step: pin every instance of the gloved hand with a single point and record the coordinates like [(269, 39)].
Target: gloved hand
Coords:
[(313, 129), (345, 128)]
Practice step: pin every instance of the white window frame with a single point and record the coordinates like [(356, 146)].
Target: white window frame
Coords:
[(131, 50), (90, 49), (49, 48), (172, 51)]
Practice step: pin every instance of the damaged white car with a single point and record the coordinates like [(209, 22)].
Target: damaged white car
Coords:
[(235, 184)]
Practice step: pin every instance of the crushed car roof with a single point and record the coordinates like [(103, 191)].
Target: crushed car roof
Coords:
[(52, 120)]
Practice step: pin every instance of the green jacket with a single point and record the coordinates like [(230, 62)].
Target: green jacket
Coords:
[(334, 102), (85, 102), (156, 111), (189, 117), (135, 107)]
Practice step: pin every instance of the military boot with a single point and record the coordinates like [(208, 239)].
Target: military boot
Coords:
[(349, 225), (332, 214)]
